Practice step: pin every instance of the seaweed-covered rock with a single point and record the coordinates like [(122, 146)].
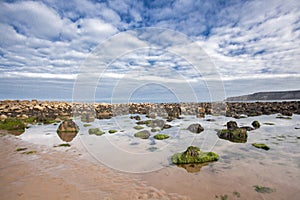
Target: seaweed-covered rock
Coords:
[(161, 136), (255, 124), (195, 128), (138, 127), (144, 134), (13, 126), (238, 135), (96, 131), (194, 155), (232, 125), (261, 146), (247, 128), (112, 131)]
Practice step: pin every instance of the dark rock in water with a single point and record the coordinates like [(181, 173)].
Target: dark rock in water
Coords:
[(195, 128), (67, 130), (238, 135), (194, 155), (146, 122), (232, 125), (136, 117), (247, 128), (261, 146), (96, 131), (210, 120), (144, 134), (255, 124)]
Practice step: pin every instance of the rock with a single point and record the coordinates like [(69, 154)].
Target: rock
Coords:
[(3, 117), (255, 124), (144, 134), (96, 131), (261, 146), (112, 131), (232, 125), (138, 127), (238, 135), (195, 128), (155, 129), (137, 117), (68, 126), (166, 126), (143, 122), (156, 123), (194, 155), (161, 136)]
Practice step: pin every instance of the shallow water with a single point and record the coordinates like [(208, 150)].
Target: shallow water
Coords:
[(241, 166)]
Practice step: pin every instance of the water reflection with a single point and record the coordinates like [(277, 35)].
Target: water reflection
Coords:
[(192, 168)]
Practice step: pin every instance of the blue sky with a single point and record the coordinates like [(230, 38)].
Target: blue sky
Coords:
[(254, 46)]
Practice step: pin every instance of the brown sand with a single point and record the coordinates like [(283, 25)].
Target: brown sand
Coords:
[(57, 174)]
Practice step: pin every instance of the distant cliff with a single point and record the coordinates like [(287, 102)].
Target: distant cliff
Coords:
[(282, 95)]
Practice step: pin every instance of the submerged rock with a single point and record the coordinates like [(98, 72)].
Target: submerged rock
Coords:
[(261, 146), (194, 155), (161, 136), (96, 131), (195, 128), (144, 134)]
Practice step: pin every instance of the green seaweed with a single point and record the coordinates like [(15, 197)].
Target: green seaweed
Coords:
[(21, 149), (63, 145), (237, 194), (194, 155), (138, 127), (142, 134), (161, 136), (29, 152), (87, 125), (262, 189), (261, 146), (13, 125)]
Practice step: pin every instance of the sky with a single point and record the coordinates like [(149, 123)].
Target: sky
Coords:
[(157, 51)]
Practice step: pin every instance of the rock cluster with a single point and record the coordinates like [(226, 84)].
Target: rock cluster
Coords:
[(45, 110)]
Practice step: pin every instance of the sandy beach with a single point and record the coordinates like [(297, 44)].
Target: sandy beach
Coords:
[(64, 174)]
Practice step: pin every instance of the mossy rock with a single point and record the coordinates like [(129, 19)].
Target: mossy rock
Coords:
[(138, 127), (63, 145), (87, 125), (161, 136), (96, 131), (255, 124), (194, 155), (13, 126), (261, 146), (112, 131), (237, 135), (142, 134), (146, 122)]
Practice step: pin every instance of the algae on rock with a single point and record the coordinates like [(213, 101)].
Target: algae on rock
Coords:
[(161, 136), (194, 155)]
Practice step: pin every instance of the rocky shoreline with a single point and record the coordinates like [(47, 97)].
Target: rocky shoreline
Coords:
[(51, 110)]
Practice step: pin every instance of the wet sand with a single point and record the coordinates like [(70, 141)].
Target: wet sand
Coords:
[(57, 174)]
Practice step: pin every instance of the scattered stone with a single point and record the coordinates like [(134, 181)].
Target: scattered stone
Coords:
[(195, 128), (144, 134), (261, 146), (283, 117), (146, 122), (29, 152), (96, 131), (161, 136), (156, 123), (194, 155), (136, 117), (255, 124)]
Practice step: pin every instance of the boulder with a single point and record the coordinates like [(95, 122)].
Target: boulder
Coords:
[(195, 128), (238, 135), (144, 134)]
